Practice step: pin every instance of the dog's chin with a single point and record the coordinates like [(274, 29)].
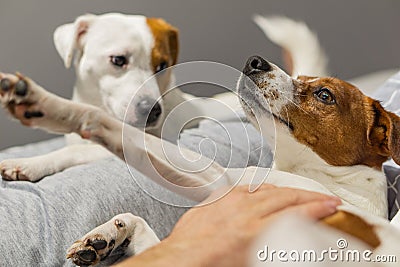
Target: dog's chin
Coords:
[(252, 105), (256, 111), (247, 97)]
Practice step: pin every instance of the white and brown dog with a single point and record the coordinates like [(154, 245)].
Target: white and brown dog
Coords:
[(331, 139), (113, 54)]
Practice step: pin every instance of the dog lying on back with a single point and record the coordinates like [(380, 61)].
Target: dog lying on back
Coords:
[(331, 139), (324, 125)]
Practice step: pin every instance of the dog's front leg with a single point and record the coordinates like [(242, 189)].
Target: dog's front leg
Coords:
[(125, 233), (160, 160), (33, 106), (35, 168)]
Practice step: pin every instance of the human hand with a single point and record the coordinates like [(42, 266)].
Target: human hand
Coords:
[(220, 233)]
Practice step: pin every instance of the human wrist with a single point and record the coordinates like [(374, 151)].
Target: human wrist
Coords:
[(190, 251), (176, 252)]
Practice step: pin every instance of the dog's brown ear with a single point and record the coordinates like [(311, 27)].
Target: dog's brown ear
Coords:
[(166, 41), (384, 130), (173, 43), (394, 138), (67, 38)]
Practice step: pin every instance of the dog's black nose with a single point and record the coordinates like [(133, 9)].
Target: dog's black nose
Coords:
[(154, 113), (255, 64), (149, 108)]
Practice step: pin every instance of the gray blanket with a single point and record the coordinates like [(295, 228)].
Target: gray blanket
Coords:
[(39, 221)]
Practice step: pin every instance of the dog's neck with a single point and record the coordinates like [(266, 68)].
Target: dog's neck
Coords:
[(358, 185)]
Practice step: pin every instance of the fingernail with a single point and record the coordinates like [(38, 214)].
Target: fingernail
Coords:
[(331, 204), (336, 199)]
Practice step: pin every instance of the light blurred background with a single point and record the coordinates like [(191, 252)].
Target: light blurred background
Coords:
[(359, 36)]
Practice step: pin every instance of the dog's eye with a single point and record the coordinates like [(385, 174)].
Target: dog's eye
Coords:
[(119, 61), (325, 96), (162, 66)]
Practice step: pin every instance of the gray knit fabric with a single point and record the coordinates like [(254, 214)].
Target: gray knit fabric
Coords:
[(233, 144), (39, 221)]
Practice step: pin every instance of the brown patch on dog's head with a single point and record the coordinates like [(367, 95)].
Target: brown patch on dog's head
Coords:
[(165, 50), (341, 124), (165, 43)]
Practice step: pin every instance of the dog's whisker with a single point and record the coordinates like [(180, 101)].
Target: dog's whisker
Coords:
[(294, 103)]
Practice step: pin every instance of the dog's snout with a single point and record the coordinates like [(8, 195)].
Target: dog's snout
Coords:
[(149, 108), (144, 106), (255, 64)]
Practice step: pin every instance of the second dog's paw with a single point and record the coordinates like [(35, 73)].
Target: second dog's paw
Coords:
[(98, 244), (22, 170), (21, 97), (91, 250)]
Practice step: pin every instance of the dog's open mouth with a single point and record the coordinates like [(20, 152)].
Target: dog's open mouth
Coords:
[(287, 123)]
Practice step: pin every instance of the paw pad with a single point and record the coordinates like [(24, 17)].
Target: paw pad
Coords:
[(98, 244), (5, 84), (33, 114), (88, 256), (21, 88)]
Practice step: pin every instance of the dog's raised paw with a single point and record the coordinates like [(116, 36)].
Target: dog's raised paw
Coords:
[(21, 97)]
